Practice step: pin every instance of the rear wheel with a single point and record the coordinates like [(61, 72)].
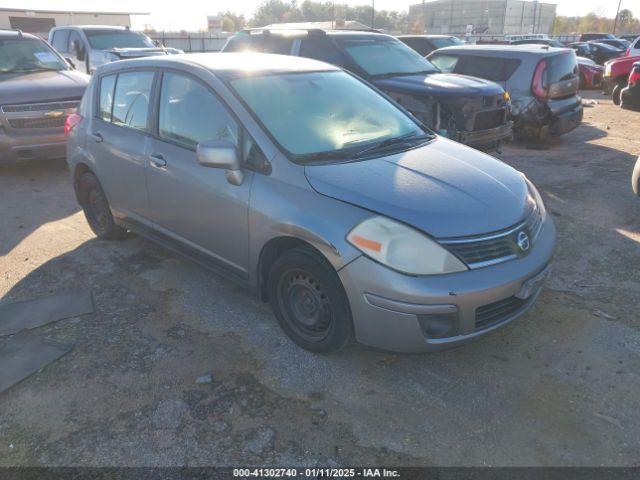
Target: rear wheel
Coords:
[(96, 209), (309, 301)]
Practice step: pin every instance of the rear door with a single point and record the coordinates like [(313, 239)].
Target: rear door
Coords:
[(117, 140)]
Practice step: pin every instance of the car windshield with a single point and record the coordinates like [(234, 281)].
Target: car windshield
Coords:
[(322, 116), (385, 56), (446, 42), (28, 55), (105, 39)]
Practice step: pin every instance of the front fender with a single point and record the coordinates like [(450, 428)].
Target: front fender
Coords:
[(282, 209)]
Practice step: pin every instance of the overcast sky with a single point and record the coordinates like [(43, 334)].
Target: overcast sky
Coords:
[(191, 14)]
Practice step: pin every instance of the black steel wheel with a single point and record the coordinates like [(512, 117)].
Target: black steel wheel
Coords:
[(97, 210), (309, 301)]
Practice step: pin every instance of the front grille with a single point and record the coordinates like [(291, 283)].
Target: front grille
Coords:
[(485, 250), (19, 123), (489, 119), (40, 107), (496, 312)]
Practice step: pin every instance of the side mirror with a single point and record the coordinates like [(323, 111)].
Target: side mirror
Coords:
[(70, 62), (221, 154), (79, 50)]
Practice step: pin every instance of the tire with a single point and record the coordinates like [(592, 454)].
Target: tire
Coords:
[(97, 210), (615, 94), (309, 301)]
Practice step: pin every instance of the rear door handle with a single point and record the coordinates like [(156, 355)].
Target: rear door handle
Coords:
[(96, 137), (157, 160)]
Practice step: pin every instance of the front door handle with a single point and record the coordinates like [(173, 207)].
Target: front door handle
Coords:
[(96, 137), (157, 160)]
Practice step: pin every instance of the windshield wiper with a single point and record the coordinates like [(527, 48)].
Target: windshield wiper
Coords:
[(408, 139)]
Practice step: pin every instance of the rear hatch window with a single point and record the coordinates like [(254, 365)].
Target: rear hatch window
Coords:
[(259, 43), (562, 75), (489, 68)]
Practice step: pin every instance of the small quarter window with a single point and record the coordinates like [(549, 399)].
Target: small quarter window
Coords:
[(107, 85)]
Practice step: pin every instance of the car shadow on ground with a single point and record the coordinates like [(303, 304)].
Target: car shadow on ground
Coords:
[(33, 194)]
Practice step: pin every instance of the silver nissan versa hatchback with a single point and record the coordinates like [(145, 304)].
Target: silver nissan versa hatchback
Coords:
[(302, 182)]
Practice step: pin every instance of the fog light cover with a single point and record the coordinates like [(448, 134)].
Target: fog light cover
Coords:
[(438, 325)]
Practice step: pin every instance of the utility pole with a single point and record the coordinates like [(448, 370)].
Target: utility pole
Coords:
[(424, 17), (333, 14), (373, 13), (615, 22)]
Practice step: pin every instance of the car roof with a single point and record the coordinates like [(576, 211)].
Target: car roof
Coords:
[(16, 34), (427, 36), (93, 27), (229, 64), (506, 50), (293, 33)]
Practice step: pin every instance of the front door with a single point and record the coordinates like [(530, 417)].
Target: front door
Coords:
[(118, 138), (191, 204)]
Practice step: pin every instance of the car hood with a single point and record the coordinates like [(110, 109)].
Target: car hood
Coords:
[(41, 86), (442, 188), (448, 85)]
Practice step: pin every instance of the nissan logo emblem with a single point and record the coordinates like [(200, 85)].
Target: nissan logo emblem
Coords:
[(523, 241)]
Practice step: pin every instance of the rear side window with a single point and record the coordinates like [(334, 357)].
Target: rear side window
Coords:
[(321, 49), (131, 99), (562, 67), (489, 68), (107, 84), (238, 43), (190, 113), (420, 45), (60, 40), (446, 63)]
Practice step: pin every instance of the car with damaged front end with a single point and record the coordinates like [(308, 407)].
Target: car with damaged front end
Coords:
[(542, 83), (469, 110), (300, 181)]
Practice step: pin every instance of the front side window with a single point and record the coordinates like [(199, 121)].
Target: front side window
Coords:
[(385, 56), (131, 99), (108, 38), (60, 40), (28, 55), (329, 113), (190, 113)]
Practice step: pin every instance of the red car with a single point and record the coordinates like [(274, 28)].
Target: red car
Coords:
[(590, 73), (616, 75)]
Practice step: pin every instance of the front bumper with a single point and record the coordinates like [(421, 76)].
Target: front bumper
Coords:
[(630, 98), (31, 146), (393, 311), (487, 139)]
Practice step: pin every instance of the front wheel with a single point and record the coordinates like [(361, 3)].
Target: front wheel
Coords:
[(615, 94), (309, 301)]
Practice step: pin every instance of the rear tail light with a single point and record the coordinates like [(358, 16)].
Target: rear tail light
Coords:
[(539, 86), (71, 121), (634, 77)]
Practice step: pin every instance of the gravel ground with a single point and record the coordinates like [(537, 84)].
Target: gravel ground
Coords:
[(177, 366)]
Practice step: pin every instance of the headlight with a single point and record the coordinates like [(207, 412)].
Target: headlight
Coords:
[(402, 248), (533, 191), (607, 69)]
